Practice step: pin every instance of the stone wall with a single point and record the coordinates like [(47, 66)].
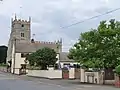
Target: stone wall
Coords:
[(3, 69), (95, 77), (91, 77)]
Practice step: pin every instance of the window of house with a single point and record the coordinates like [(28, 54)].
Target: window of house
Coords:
[(22, 34), (22, 25), (23, 54)]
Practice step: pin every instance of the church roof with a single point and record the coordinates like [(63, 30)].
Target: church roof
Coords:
[(29, 47), (63, 57)]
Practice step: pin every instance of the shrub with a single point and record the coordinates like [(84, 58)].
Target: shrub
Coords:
[(3, 65)]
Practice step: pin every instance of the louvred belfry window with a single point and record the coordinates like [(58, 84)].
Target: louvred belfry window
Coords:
[(22, 34)]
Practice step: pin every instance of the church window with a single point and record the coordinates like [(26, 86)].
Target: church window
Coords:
[(22, 25), (22, 34)]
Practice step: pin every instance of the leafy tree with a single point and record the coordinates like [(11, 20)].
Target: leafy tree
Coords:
[(3, 54), (117, 70), (99, 47), (43, 58), (31, 58)]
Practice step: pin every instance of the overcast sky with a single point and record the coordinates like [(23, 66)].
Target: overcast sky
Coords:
[(49, 15)]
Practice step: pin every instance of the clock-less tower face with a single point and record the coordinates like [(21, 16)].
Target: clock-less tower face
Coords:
[(21, 30)]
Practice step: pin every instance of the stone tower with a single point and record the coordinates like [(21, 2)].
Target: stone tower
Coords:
[(20, 29), (20, 32)]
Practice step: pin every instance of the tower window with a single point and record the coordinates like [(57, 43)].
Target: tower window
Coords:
[(22, 34), (22, 25)]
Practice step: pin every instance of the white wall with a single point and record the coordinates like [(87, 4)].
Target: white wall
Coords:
[(17, 71), (82, 78), (71, 73), (58, 56), (54, 74), (46, 73), (18, 62)]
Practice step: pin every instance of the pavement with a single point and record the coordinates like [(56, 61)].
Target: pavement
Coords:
[(15, 82)]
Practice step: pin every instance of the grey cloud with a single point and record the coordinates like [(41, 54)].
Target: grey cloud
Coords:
[(49, 15), (5, 29)]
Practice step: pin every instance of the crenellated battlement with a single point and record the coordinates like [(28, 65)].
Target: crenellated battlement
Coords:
[(47, 42), (21, 29), (21, 21), (44, 42), (17, 20)]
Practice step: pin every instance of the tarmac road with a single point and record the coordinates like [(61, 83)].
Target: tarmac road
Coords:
[(13, 82)]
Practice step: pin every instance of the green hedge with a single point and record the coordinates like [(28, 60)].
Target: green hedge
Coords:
[(3, 65)]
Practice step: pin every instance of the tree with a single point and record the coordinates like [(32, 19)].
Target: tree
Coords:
[(43, 58), (99, 48), (117, 70), (3, 54)]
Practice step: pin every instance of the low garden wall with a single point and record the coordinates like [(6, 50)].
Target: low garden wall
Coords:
[(94, 77), (51, 74), (91, 77), (3, 68)]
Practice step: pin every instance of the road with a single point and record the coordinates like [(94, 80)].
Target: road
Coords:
[(14, 82)]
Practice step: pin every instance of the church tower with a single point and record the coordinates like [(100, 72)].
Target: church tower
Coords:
[(21, 29), (20, 32)]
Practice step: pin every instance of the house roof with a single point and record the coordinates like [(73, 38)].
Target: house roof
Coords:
[(63, 57), (28, 47)]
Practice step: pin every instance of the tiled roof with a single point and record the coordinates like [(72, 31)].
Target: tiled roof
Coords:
[(29, 47), (64, 58)]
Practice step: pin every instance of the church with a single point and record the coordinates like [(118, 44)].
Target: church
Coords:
[(20, 44)]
